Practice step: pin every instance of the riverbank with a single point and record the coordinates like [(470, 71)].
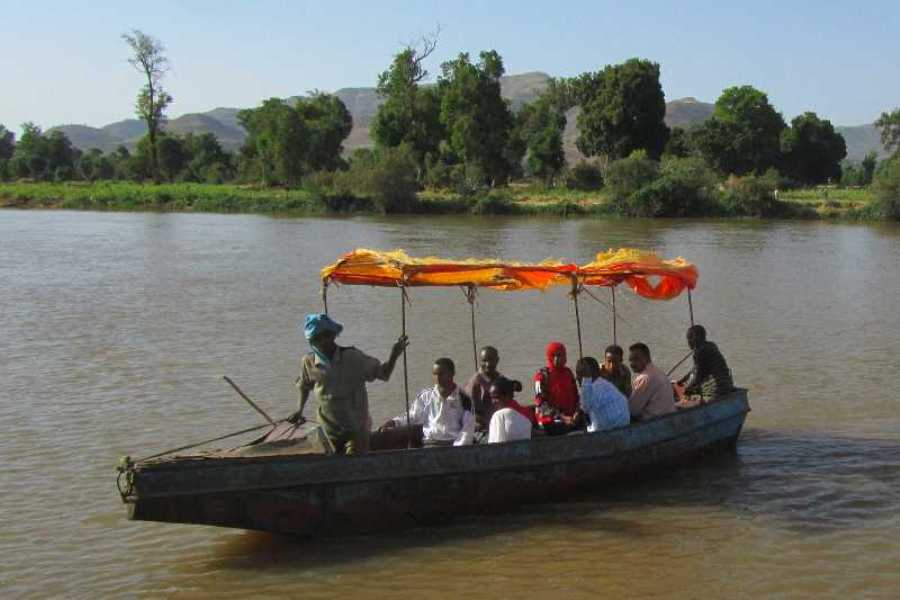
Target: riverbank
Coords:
[(828, 203)]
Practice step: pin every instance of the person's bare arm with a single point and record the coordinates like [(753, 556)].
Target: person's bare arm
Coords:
[(387, 367)]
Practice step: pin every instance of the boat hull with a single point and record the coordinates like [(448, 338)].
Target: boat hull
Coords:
[(313, 495)]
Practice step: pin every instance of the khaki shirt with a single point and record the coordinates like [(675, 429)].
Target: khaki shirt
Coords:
[(340, 389)]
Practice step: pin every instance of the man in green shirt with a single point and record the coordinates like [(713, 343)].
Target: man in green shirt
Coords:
[(337, 376)]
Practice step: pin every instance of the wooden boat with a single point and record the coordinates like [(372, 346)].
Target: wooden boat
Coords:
[(327, 494), (280, 487)]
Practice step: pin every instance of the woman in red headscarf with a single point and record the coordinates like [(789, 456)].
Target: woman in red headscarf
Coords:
[(555, 392)]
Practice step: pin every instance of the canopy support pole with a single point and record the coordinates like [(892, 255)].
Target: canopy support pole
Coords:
[(691, 306), (405, 369), (470, 297), (575, 292), (612, 290), (325, 295)]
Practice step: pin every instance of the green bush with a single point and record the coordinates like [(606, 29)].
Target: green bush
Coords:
[(387, 177), (468, 180), (886, 186), (626, 176), (493, 203), (754, 196), (585, 176)]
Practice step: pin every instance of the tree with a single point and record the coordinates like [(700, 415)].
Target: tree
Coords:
[(276, 144), (743, 134), (148, 59), (889, 124), (477, 119), (679, 143), (43, 156), (329, 123), (887, 189), (410, 113), (812, 150), (7, 143), (284, 142), (540, 124), (622, 110), (207, 160), (869, 163)]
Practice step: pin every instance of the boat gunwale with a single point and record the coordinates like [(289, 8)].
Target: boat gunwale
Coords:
[(617, 445)]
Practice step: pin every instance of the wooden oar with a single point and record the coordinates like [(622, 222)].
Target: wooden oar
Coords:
[(249, 401)]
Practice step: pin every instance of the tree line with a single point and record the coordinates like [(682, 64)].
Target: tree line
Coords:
[(458, 132)]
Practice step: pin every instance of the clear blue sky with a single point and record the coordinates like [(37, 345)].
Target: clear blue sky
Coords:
[(64, 62)]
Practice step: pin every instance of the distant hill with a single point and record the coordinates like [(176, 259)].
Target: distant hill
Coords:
[(363, 104)]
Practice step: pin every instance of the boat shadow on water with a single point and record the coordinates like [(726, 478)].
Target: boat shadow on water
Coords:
[(808, 483)]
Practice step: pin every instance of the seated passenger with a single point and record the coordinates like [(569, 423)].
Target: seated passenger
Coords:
[(614, 370), (510, 421), (604, 405), (555, 393), (651, 393), (480, 383), (444, 411), (710, 378)]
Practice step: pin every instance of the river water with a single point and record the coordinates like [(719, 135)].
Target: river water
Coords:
[(115, 331)]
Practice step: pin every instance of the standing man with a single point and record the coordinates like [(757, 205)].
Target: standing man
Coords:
[(710, 378), (614, 369), (337, 376), (651, 394), (479, 385)]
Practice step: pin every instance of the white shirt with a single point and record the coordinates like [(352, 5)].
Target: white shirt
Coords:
[(507, 425), (443, 419)]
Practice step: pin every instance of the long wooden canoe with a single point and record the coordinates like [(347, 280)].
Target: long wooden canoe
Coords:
[(327, 494)]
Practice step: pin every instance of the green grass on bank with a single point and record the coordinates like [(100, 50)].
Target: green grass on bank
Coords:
[(517, 199)]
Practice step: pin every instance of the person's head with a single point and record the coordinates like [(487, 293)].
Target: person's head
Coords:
[(638, 357), (443, 372), (613, 357), (488, 359), (320, 331), (556, 355), (696, 336), (587, 368), (502, 390)]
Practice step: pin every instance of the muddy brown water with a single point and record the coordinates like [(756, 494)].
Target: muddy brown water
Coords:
[(115, 331)]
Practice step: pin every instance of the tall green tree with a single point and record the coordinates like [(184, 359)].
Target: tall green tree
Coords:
[(43, 156), (285, 142), (743, 134), (622, 110), (812, 150), (477, 119), (277, 142), (148, 59), (7, 143), (889, 124), (869, 163), (410, 113), (329, 123), (540, 124)]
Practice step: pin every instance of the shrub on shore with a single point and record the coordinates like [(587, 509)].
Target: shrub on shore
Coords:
[(585, 176), (887, 189)]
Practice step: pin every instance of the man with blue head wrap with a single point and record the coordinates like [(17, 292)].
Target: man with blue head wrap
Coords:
[(337, 376)]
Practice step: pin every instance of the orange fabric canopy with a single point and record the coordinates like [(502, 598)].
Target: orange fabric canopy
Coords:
[(631, 266), (638, 269)]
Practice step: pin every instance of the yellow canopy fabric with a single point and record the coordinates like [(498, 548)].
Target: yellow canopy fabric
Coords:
[(371, 267), (631, 266)]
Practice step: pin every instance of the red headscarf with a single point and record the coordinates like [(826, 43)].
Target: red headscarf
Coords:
[(556, 385)]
